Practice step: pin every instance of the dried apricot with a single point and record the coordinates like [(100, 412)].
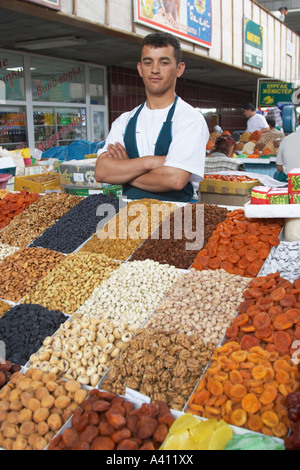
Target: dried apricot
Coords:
[(259, 372), (238, 417), (282, 322), (215, 387), (250, 403), (201, 397), (262, 321), (248, 342), (238, 391), (278, 294), (270, 419), (255, 423), (268, 396)]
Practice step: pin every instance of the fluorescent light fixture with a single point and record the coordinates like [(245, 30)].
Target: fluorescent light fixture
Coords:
[(50, 43)]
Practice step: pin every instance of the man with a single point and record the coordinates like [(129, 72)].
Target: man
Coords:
[(256, 122), (281, 13), (288, 156), (158, 149)]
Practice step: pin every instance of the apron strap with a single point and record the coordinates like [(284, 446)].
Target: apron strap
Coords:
[(165, 136), (130, 135)]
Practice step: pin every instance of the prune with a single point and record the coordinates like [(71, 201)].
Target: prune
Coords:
[(70, 437), (103, 443), (294, 414), (292, 442), (89, 434)]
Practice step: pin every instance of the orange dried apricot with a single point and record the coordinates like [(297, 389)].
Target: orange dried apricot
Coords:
[(259, 372), (282, 377), (238, 417), (236, 377), (239, 356), (215, 387), (250, 403), (282, 322), (200, 398), (268, 396), (270, 419), (255, 423), (238, 391)]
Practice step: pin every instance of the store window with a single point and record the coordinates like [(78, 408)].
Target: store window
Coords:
[(54, 127), (13, 133), (55, 81), (97, 86), (12, 83)]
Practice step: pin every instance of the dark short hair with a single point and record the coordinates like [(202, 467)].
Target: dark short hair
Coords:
[(271, 121), (249, 106), (161, 39), (223, 144)]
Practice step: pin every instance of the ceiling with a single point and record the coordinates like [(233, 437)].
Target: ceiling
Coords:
[(104, 47), (293, 20)]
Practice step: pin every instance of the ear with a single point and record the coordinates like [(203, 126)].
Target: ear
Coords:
[(139, 68), (180, 69)]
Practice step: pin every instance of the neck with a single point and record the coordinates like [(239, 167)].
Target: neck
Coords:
[(160, 102)]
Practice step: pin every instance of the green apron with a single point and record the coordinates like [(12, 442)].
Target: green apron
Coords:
[(161, 148)]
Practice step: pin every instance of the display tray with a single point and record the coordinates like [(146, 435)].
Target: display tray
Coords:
[(276, 211)]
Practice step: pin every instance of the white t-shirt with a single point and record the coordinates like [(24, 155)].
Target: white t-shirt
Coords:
[(190, 136), (257, 123), (288, 154)]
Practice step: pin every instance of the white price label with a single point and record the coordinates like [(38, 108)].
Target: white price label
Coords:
[(78, 177), (136, 397)]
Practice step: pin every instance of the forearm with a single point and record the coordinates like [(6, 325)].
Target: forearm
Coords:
[(162, 180), (114, 171)]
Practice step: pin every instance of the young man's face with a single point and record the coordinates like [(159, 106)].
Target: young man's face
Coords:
[(248, 113), (159, 70)]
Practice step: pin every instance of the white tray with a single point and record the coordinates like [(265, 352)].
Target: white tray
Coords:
[(272, 211)]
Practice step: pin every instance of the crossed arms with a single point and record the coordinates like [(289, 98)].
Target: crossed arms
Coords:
[(147, 173)]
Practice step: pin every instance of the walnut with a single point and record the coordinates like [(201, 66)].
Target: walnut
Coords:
[(193, 365), (131, 382), (184, 354)]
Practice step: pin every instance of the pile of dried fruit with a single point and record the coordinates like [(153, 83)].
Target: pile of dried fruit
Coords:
[(179, 238), (270, 315), (37, 218), (247, 389), (21, 271), (105, 421), (13, 204), (239, 245)]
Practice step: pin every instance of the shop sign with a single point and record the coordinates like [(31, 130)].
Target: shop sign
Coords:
[(271, 93), (189, 19), (253, 44), (54, 4)]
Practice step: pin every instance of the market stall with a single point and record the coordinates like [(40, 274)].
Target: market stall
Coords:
[(100, 287)]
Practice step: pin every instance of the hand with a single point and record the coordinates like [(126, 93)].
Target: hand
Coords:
[(117, 151)]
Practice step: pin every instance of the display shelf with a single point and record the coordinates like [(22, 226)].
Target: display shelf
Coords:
[(272, 211)]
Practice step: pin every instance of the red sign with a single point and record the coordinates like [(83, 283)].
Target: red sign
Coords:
[(54, 4)]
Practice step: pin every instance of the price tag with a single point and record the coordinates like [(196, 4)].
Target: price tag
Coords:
[(136, 397), (78, 177)]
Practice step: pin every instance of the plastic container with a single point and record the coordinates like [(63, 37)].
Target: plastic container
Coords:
[(4, 178)]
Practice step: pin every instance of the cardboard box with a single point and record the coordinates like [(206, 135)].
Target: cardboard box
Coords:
[(278, 196), (294, 180), (295, 199), (27, 183), (223, 199), (7, 166), (111, 190), (79, 173), (233, 188), (259, 195)]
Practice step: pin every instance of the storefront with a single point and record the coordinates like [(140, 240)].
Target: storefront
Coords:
[(46, 102)]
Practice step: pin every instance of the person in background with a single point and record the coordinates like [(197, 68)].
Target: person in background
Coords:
[(288, 156), (158, 149), (221, 158), (272, 136), (281, 13), (218, 129), (256, 122)]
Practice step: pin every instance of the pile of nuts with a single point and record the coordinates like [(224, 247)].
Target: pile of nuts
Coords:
[(71, 282), (38, 217), (132, 292), (33, 408), (6, 250), (105, 421), (201, 302), (21, 271), (117, 239), (43, 178), (162, 365), (284, 259), (82, 349), (195, 224)]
